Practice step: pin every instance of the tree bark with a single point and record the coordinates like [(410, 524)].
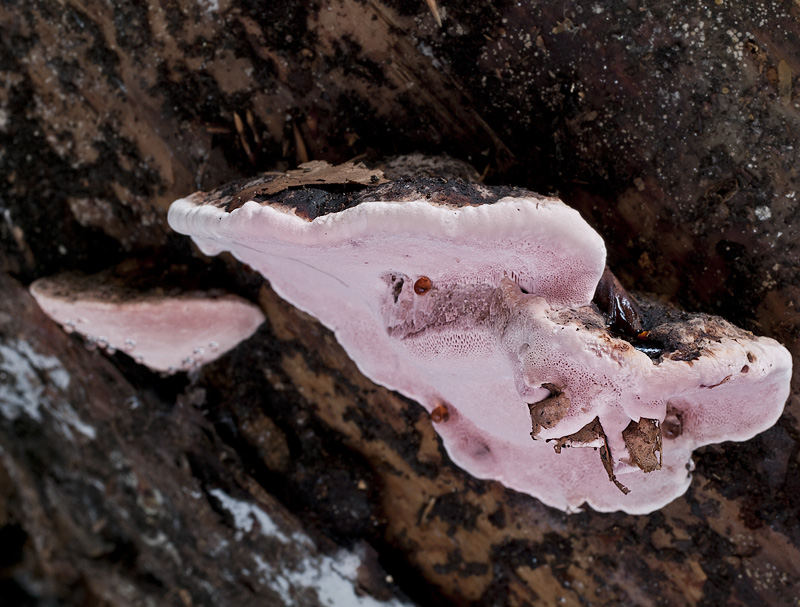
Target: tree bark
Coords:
[(279, 473)]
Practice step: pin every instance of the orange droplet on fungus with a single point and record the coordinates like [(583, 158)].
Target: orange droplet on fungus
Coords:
[(422, 285), (440, 413)]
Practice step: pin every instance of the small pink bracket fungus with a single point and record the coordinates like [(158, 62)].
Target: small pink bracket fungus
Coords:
[(164, 333), (477, 303)]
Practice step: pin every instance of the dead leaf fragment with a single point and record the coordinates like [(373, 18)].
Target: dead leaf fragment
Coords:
[(592, 435), (314, 173)]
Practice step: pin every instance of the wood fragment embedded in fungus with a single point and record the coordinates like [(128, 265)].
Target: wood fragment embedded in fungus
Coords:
[(643, 440), (549, 411)]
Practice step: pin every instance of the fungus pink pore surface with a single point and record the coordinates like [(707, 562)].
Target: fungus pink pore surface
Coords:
[(508, 311), (166, 334)]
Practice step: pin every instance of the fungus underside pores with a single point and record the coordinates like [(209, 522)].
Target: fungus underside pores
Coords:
[(477, 303), (165, 332)]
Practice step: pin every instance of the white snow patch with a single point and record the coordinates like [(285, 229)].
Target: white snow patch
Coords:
[(245, 514), (20, 389), (23, 376), (276, 580), (763, 212), (333, 579), (69, 418), (209, 6)]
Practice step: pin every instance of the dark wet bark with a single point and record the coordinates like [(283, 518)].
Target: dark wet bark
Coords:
[(673, 128)]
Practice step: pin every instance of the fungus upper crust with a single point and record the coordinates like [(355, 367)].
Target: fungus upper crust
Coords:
[(502, 322)]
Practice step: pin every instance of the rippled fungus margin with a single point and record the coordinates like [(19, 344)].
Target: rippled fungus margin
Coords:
[(478, 302)]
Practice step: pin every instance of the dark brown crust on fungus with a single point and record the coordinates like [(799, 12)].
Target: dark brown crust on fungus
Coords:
[(312, 194)]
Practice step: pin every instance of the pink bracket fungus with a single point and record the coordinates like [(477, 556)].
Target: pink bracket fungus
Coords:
[(477, 302), (165, 333)]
